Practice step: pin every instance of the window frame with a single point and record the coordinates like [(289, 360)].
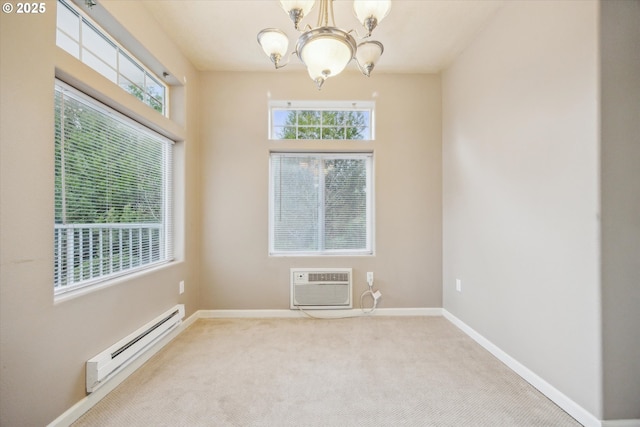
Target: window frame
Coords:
[(369, 250), (166, 239), (321, 106), (120, 51)]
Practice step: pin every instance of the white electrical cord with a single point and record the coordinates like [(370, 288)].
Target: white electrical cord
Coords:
[(325, 318), (375, 295)]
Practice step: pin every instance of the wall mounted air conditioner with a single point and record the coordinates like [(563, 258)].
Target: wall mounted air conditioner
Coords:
[(321, 288)]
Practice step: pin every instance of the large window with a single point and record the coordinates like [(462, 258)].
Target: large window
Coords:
[(316, 120), (85, 40), (112, 193), (321, 204)]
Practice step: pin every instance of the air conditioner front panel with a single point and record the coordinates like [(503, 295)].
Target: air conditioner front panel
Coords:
[(323, 294), (321, 288)]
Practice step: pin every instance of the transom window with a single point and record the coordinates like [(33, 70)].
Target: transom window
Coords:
[(112, 193), (89, 43), (315, 120), (321, 204)]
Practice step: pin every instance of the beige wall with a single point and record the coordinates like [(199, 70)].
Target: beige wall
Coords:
[(44, 345), (620, 182), (237, 272), (495, 182), (521, 196)]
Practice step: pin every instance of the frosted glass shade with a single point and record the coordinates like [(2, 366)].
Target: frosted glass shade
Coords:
[(274, 43), (371, 12), (297, 9), (304, 5), (325, 51), (368, 54)]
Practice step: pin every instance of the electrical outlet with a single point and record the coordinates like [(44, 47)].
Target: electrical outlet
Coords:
[(458, 285), (181, 288), (369, 276)]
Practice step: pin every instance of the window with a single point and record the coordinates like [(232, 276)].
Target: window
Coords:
[(334, 120), (321, 204), (112, 193), (85, 40)]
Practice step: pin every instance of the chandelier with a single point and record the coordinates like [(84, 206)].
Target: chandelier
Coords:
[(325, 49)]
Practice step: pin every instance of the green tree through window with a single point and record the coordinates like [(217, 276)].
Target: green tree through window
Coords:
[(322, 124), (112, 193), (105, 173)]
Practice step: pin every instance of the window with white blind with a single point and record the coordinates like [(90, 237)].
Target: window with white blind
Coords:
[(321, 204), (112, 193), (88, 42)]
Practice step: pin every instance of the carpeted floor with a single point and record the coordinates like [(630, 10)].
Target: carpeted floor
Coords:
[(367, 371)]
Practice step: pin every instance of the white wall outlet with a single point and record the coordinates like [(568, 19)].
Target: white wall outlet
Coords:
[(369, 276), (181, 288), (458, 285)]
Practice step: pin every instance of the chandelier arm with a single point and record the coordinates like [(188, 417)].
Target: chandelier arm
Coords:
[(307, 27), (275, 60), (279, 64), (357, 35), (333, 19)]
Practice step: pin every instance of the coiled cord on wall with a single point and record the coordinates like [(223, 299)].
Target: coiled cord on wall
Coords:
[(374, 295)]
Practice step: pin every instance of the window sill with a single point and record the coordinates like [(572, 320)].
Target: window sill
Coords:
[(107, 283), (321, 255)]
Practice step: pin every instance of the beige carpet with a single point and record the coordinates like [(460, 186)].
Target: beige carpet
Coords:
[(370, 371)]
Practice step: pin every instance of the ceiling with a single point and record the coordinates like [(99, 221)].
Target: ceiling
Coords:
[(419, 36)]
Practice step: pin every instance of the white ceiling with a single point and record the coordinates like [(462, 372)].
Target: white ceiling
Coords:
[(419, 36)]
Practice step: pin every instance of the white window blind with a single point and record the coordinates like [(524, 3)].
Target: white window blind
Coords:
[(321, 203), (112, 193)]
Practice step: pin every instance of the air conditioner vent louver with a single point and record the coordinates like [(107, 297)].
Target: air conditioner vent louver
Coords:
[(329, 277), (321, 288)]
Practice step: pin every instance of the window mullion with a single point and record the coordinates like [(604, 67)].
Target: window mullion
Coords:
[(321, 205)]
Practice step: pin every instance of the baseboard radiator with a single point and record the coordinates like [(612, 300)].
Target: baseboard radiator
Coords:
[(115, 358), (321, 288)]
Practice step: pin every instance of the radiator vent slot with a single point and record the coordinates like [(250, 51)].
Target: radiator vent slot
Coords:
[(321, 288), (143, 335), (112, 360)]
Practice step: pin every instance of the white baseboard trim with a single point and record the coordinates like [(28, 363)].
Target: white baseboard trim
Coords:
[(76, 411), (583, 416), (329, 314), (621, 423)]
